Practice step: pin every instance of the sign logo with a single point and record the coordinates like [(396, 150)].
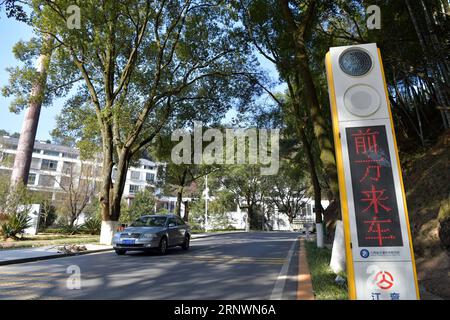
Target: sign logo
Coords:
[(384, 280), (364, 253)]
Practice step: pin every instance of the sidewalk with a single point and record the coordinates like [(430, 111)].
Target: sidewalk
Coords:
[(14, 256)]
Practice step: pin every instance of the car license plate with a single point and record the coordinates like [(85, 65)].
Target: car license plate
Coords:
[(128, 241)]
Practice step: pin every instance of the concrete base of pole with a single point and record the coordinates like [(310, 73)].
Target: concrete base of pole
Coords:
[(319, 231), (337, 263)]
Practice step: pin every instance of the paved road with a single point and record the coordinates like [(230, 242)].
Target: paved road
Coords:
[(231, 266)]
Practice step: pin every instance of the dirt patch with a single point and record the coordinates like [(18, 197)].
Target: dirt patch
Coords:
[(427, 186)]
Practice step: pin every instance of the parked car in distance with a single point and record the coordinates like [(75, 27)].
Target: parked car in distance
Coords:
[(152, 232)]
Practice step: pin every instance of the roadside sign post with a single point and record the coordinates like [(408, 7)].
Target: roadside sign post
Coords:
[(379, 255)]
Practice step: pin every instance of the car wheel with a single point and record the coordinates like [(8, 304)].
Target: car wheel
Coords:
[(120, 252), (185, 244), (163, 246)]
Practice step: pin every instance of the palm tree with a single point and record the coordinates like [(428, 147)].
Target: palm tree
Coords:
[(30, 123)]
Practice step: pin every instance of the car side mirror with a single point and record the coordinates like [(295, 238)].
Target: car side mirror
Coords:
[(171, 225)]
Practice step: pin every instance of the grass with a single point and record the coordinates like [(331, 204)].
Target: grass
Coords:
[(324, 286), (48, 240)]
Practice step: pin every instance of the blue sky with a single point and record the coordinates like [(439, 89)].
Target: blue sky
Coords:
[(12, 31)]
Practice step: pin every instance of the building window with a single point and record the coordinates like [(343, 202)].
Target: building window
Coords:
[(134, 189), (35, 163), (135, 175), (70, 155), (36, 150), (31, 178), (65, 182), (67, 167), (49, 165), (150, 177), (51, 153), (46, 181), (148, 167)]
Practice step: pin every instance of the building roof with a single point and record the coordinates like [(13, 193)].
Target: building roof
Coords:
[(40, 145)]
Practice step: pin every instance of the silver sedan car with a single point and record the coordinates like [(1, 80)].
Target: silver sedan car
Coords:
[(153, 232)]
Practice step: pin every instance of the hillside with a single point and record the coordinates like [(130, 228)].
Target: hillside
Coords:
[(427, 184)]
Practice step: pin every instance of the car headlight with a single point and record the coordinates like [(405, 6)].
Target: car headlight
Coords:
[(148, 236)]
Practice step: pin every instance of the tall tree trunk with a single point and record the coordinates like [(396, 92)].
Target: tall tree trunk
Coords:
[(314, 177), (24, 154), (109, 226), (186, 211), (119, 184), (180, 193), (309, 153), (299, 34)]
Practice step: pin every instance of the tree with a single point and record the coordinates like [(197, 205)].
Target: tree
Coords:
[(288, 191), (178, 176), (30, 123), (141, 63), (269, 34), (244, 182), (79, 187), (28, 85), (143, 204)]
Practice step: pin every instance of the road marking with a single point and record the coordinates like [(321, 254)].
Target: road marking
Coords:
[(25, 284), (277, 292), (31, 274), (233, 259)]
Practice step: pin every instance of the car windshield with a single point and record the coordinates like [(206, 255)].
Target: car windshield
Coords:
[(149, 222)]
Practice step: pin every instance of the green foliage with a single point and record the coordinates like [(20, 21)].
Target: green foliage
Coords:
[(92, 226), (71, 230), (322, 276), (163, 211), (15, 224), (14, 208), (444, 210), (143, 204)]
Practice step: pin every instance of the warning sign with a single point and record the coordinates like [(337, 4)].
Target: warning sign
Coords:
[(379, 255)]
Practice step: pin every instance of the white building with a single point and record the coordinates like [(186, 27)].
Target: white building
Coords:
[(274, 220), (53, 165)]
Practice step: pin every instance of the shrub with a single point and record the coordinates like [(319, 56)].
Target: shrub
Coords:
[(15, 224), (71, 230), (92, 226), (47, 216)]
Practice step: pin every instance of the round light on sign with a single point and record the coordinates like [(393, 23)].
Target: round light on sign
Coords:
[(362, 100), (355, 62)]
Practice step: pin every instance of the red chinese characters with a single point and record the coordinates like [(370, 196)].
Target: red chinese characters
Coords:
[(373, 187)]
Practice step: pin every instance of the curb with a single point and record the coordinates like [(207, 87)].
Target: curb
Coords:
[(304, 284), (55, 256)]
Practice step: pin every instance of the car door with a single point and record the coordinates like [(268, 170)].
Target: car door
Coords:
[(181, 229), (173, 232)]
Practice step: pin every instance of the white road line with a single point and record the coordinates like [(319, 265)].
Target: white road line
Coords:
[(277, 292)]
